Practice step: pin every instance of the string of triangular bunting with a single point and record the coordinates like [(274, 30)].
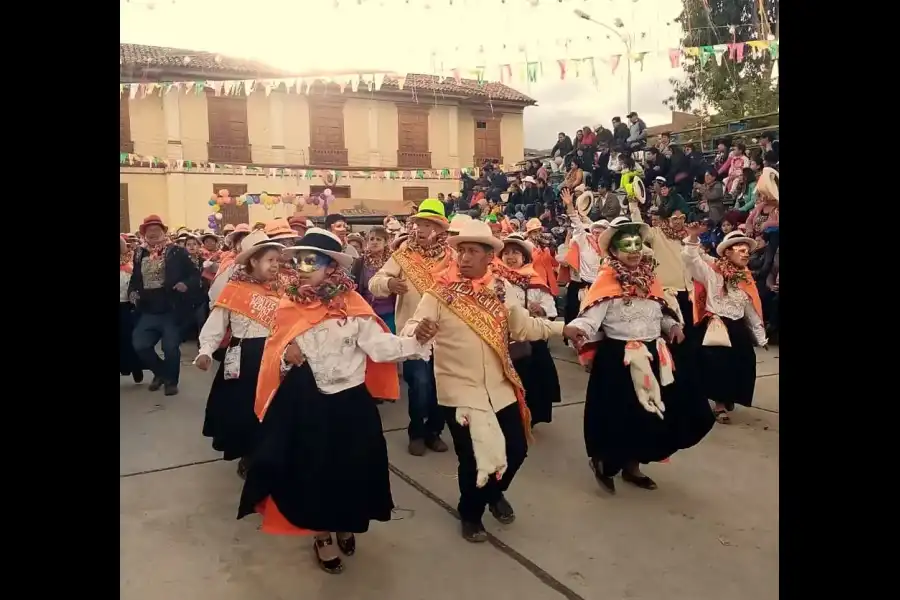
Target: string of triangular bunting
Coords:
[(129, 159), (525, 72)]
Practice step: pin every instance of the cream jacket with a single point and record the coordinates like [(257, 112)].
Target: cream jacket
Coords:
[(467, 371)]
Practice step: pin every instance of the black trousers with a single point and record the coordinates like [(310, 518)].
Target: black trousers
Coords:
[(473, 500), (573, 304)]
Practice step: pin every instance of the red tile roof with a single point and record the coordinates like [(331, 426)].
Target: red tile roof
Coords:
[(135, 56)]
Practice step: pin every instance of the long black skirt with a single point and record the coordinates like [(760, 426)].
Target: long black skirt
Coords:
[(128, 359), (728, 374), (321, 457), (618, 430), (573, 304), (538, 375), (230, 420)]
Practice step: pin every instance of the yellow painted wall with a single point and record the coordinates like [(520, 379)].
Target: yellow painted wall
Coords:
[(512, 138), (182, 198)]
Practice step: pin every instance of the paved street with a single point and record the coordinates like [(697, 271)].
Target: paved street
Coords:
[(710, 532)]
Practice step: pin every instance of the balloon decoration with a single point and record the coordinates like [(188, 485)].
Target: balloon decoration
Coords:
[(224, 197)]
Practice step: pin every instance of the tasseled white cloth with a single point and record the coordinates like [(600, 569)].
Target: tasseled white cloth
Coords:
[(647, 388)]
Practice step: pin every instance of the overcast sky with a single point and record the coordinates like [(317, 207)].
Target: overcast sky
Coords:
[(393, 35)]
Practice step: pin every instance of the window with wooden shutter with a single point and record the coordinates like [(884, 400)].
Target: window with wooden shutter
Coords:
[(232, 214), (338, 191), (229, 138), (413, 195), (412, 138), (487, 139), (326, 134), (124, 217), (125, 143)]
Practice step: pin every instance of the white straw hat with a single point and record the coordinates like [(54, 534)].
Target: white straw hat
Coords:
[(253, 243), (477, 232)]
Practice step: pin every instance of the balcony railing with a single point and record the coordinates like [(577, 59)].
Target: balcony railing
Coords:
[(228, 153), (333, 157), (479, 161), (413, 160)]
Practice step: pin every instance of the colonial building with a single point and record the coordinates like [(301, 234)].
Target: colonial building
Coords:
[(376, 141)]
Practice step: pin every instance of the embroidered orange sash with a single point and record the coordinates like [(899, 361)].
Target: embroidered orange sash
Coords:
[(420, 271), (251, 300), (607, 287), (748, 287), (488, 317)]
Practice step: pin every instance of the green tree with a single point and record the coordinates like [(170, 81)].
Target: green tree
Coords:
[(732, 89)]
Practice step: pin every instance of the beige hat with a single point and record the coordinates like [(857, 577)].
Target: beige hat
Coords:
[(457, 221), (735, 237), (253, 243), (615, 225), (477, 232), (583, 203), (768, 183), (519, 240), (640, 190), (533, 224)]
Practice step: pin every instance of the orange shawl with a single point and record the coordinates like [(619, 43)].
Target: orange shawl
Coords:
[(226, 261), (607, 287), (573, 255), (748, 286), (545, 264), (291, 320)]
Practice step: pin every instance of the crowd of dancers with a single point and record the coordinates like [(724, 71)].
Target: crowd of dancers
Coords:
[(306, 326)]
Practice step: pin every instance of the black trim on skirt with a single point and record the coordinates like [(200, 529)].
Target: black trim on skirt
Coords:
[(321, 457), (618, 430), (230, 420), (728, 374)]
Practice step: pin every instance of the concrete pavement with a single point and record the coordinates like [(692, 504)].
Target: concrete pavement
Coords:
[(709, 532)]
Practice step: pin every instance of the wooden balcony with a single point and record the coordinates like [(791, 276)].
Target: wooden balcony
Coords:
[(126, 146), (330, 157), (229, 154), (478, 161), (413, 160)]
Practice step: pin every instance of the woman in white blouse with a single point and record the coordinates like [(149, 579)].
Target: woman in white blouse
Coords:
[(532, 360), (129, 363), (729, 319), (245, 308), (321, 466)]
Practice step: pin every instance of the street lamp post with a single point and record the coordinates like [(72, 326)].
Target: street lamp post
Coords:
[(625, 40)]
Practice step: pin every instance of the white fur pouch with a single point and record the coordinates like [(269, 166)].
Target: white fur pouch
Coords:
[(716, 333), (488, 442)]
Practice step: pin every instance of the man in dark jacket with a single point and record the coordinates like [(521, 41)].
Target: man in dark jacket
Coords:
[(620, 133), (563, 145), (163, 277)]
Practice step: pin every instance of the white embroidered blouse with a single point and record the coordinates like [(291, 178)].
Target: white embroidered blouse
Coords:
[(336, 351), (730, 303)]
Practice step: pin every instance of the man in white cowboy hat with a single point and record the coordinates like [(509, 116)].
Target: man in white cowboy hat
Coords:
[(160, 286), (408, 273), (476, 316)]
